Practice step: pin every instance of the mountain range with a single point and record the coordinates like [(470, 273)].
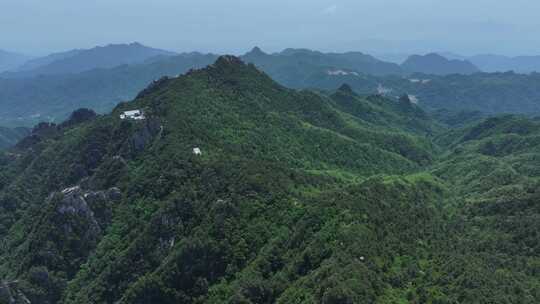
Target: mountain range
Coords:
[(52, 95), (285, 62), (490, 93), (295, 197), (77, 61), (492, 63), (10, 60), (436, 64), (497, 63)]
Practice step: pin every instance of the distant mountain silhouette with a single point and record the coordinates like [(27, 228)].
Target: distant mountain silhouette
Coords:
[(51, 98), (9, 136), (46, 60), (9, 60), (498, 63), (77, 61), (492, 63), (54, 97), (308, 60), (438, 65)]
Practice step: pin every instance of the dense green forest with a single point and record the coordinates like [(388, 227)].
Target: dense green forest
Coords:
[(297, 197), (490, 93), (27, 101)]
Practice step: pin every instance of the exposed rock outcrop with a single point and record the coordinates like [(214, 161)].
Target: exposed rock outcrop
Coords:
[(144, 135)]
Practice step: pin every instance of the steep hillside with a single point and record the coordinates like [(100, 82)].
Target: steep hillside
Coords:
[(436, 64), (78, 61), (379, 111), (296, 197), (269, 155), (51, 98)]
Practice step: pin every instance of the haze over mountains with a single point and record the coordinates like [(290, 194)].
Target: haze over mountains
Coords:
[(77, 61), (10, 136), (492, 63), (497, 63), (352, 158), (50, 88), (9, 60), (436, 64), (296, 197)]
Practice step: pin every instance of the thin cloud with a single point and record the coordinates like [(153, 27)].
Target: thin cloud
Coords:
[(330, 10)]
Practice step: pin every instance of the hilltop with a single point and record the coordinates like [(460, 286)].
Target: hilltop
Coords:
[(53, 97), (297, 197), (300, 62), (435, 64), (26, 101)]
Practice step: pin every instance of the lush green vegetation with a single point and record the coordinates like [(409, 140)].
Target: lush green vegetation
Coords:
[(298, 197), (495, 93), (27, 101), (53, 96)]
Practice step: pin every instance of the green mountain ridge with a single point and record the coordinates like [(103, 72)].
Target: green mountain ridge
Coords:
[(27, 101), (298, 197), (435, 64), (489, 93), (54, 97)]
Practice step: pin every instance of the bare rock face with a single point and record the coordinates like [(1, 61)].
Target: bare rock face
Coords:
[(91, 207), (61, 240), (76, 217), (145, 135)]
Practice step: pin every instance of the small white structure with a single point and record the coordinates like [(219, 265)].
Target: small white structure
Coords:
[(381, 90), (413, 99), (197, 151), (341, 73), (134, 114)]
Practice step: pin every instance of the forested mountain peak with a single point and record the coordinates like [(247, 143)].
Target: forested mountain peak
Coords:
[(231, 188), (436, 64), (229, 61), (256, 51), (345, 88)]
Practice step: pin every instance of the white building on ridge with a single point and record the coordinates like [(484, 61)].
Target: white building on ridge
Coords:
[(134, 114)]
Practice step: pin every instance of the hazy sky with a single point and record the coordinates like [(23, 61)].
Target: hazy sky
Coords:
[(234, 26)]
